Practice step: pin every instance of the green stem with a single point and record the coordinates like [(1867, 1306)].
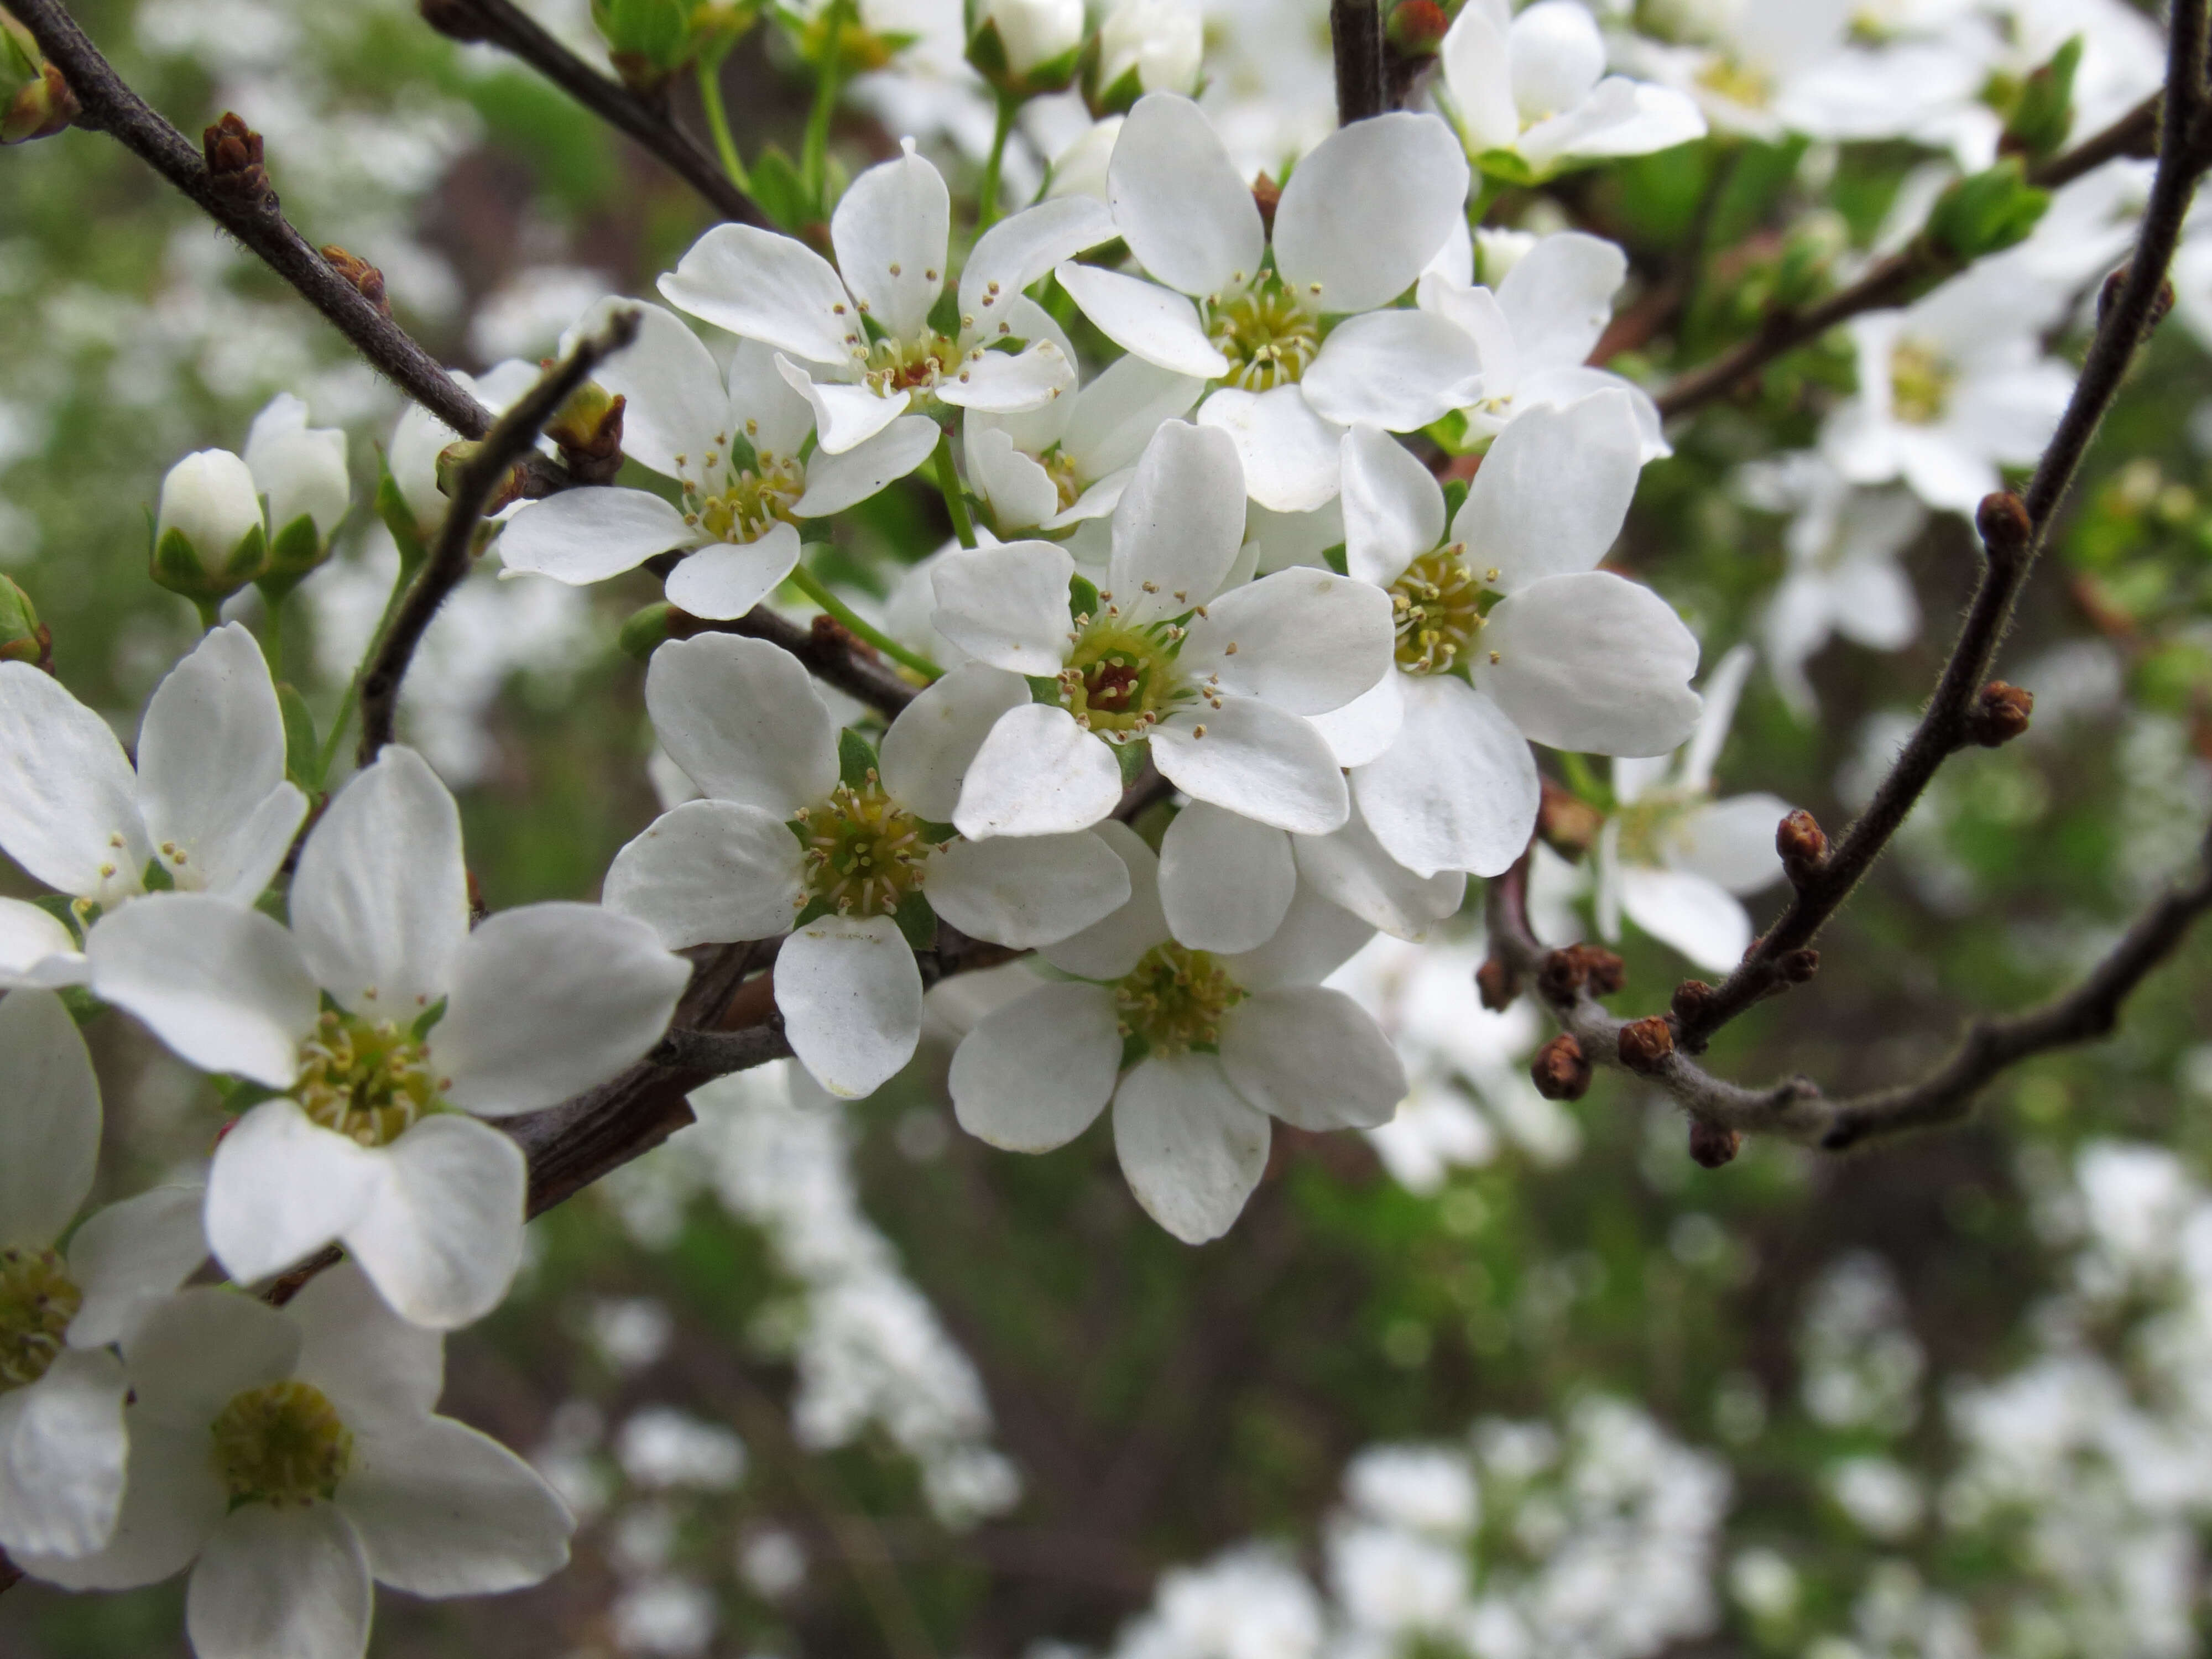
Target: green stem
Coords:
[(1488, 188), (400, 584), (718, 122), (987, 212), (813, 158), (948, 480), (855, 624)]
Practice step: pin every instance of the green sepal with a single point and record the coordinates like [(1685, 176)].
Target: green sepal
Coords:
[(1333, 558), (945, 315), (646, 630), (240, 1094), (303, 760), (155, 877), (1132, 756), (399, 519), (1134, 1049), (294, 556), (1507, 165), (426, 1021), (1082, 597), (935, 834), (1120, 98), (1042, 688), (856, 760), (817, 533), (62, 908), (815, 910), (1454, 497), (275, 904), (83, 1006), (917, 922), (781, 193)]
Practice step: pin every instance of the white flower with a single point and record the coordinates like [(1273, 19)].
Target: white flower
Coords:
[(1950, 388), (890, 231), (419, 438), (62, 1439), (207, 802), (288, 1458), (1675, 859), (1226, 1042), (1034, 32), (1081, 169), (1535, 334), (1217, 678), (1569, 656), (358, 1147), (1534, 87), (1358, 220), (1161, 42), (1844, 577), (301, 469), (210, 499), (734, 449), (743, 719)]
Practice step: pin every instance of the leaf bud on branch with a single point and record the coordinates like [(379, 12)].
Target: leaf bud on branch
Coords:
[(1560, 1070), (2000, 714), (1646, 1044), (1803, 845)]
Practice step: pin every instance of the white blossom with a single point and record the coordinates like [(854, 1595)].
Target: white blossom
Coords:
[(210, 499), (1161, 42), (1034, 32), (301, 469)]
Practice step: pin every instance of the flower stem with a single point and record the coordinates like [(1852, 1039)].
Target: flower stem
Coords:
[(948, 480), (813, 158), (987, 212), (813, 586), (718, 122)]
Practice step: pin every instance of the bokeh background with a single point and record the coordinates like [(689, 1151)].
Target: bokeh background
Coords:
[(833, 1381)]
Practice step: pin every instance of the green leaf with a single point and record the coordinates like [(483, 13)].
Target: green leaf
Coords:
[(1082, 597), (399, 519), (1988, 212), (782, 195), (302, 754), (917, 922), (856, 759)]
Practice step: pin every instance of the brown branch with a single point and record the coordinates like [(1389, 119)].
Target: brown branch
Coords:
[(1890, 281), (1355, 34), (831, 654), (506, 26)]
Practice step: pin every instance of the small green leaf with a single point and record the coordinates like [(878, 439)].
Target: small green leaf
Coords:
[(935, 834), (917, 922), (399, 519), (302, 754), (856, 759), (1082, 597)]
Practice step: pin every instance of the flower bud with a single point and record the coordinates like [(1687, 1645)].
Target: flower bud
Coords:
[(23, 637), (1148, 45), (35, 101), (1560, 976), (1691, 999), (1080, 169), (1496, 984), (301, 469), (363, 276), (234, 154), (589, 431), (1417, 27), (2006, 528), (1802, 845), (1646, 1043), (1561, 1071), (1498, 251), (1711, 1146), (209, 541), (1026, 47), (2000, 714), (1603, 971)]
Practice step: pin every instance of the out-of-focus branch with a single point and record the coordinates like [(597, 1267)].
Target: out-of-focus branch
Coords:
[(506, 26), (485, 471), (1891, 280), (1355, 34)]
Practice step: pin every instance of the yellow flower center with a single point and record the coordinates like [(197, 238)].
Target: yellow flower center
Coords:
[(1122, 679), (1920, 382), (1646, 823), (893, 366), (38, 1299), (1268, 336), (1059, 467), (1174, 998), (1436, 606), (368, 1081), (1740, 83), (282, 1444), (864, 854)]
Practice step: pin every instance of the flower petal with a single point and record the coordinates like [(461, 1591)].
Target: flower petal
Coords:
[(1368, 207), (195, 1351), (1021, 493), (1722, 688), (1116, 416), (281, 1188), (850, 995), (1477, 70), (380, 903), (281, 1581), (1256, 759), (1729, 842), (1014, 252), (172, 1499), (1393, 509), (1037, 774), (1006, 605), (1308, 641), (1289, 452), (1592, 662), (36, 951), (1026, 890), (1312, 1057), (709, 872), (1315, 939), (585, 536), (1154, 325), (1458, 790), (1698, 917), (1552, 492), (371, 1364), (549, 1001), (1035, 1074), (890, 229), (996, 383), (1353, 871), (50, 1131), (1111, 948), (1226, 882), (1394, 369), (1179, 523), (769, 288), (69, 800), (835, 482), (1558, 297), (927, 751), (1192, 1149), (225, 987), (846, 417), (62, 1449), (444, 1510), (727, 579), (743, 719), (128, 1256), (675, 401), (441, 1236), (1179, 201)]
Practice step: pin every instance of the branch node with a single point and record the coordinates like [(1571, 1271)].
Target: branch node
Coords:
[(1711, 1145), (1646, 1045), (1804, 847), (1690, 1000), (1561, 974), (2007, 529), (233, 163), (1496, 983), (1560, 1070), (1797, 966), (2108, 296), (2000, 714)]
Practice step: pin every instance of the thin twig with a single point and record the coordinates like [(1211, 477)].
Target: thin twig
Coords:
[(502, 24), (508, 442), (1355, 34), (828, 651)]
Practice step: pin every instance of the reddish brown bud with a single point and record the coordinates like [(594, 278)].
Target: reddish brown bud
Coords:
[(1799, 965), (1604, 972), (361, 274), (1999, 714), (1690, 999), (2006, 528), (1561, 976), (1645, 1044), (1496, 984), (233, 162), (1561, 1070), (1417, 27), (1266, 196), (1802, 845), (1711, 1146), (1567, 823)]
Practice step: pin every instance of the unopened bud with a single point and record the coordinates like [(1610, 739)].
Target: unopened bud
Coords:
[(1799, 965), (1569, 825), (1147, 46), (647, 630), (1803, 845), (1711, 1145), (1690, 999), (23, 637), (455, 457), (1604, 972), (589, 431), (302, 470), (1496, 984), (1561, 974), (2109, 296), (2000, 714), (1266, 196), (1417, 27), (35, 101), (1560, 1070), (358, 272), (2006, 528), (1034, 34), (1645, 1044), (233, 162), (209, 541)]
